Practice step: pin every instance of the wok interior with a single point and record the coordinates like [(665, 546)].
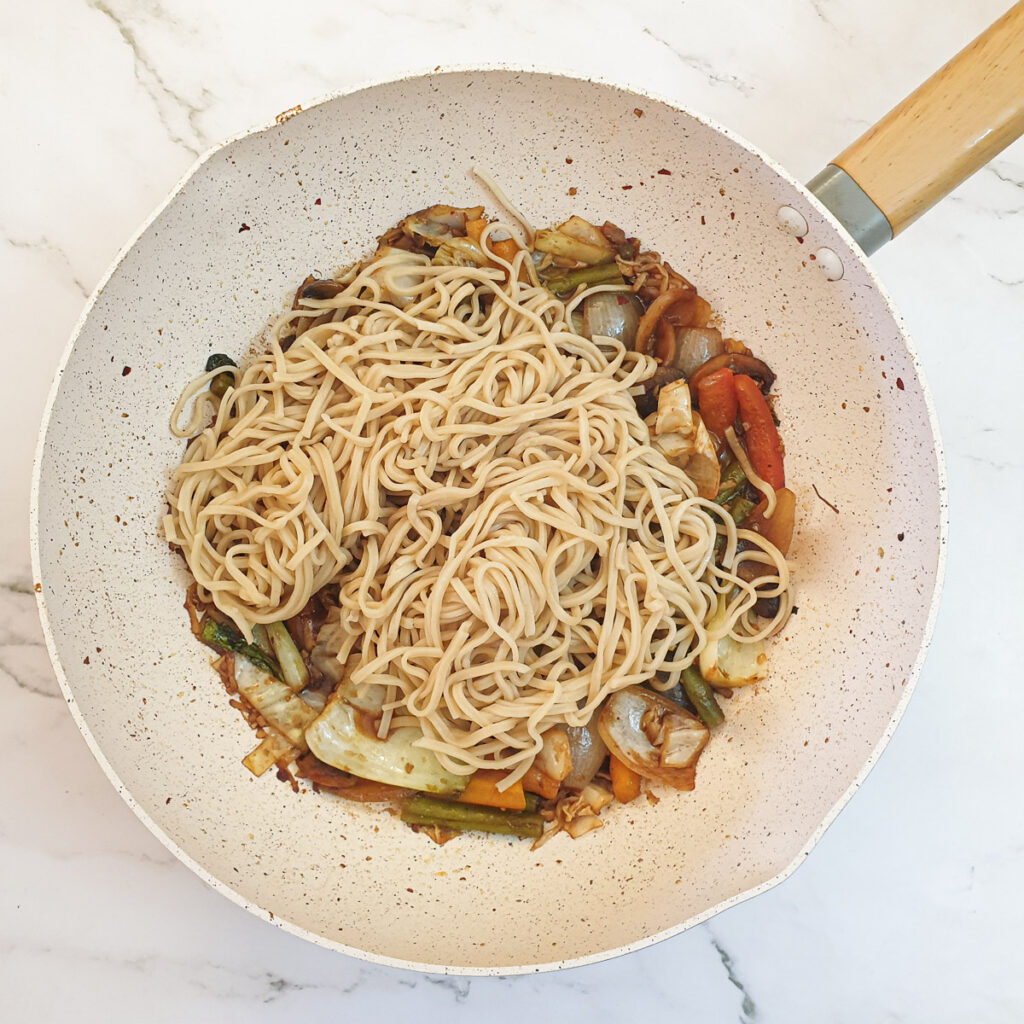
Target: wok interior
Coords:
[(222, 257)]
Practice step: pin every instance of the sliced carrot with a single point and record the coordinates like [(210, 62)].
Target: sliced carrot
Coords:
[(482, 789), (506, 249), (475, 228), (535, 781), (716, 399), (625, 781), (763, 444)]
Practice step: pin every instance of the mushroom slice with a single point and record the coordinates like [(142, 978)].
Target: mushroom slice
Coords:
[(655, 737)]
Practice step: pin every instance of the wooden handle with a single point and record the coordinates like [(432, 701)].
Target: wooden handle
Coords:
[(948, 128)]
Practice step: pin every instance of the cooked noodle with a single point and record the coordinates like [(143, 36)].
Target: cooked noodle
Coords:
[(474, 475)]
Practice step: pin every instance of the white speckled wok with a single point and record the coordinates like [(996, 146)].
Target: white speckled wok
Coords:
[(311, 193)]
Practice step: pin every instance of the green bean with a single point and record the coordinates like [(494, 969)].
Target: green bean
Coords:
[(420, 809), (733, 480), (740, 509), (568, 280), (702, 697)]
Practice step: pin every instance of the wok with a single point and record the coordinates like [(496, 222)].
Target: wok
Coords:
[(311, 192)]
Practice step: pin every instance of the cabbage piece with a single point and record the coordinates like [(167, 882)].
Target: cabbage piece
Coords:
[(439, 224), (282, 709), (675, 409), (270, 750), (368, 697), (336, 740), (460, 252), (702, 467), (680, 435), (584, 231), (730, 663), (727, 662), (564, 246)]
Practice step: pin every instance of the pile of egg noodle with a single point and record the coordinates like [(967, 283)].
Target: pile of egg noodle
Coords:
[(475, 477)]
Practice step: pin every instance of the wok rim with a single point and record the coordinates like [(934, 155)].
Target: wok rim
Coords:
[(853, 251)]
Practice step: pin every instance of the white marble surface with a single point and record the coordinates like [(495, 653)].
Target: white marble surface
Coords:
[(911, 907)]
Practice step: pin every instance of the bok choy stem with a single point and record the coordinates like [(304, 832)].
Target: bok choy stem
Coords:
[(293, 668), (223, 637)]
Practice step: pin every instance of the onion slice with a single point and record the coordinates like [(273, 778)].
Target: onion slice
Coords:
[(611, 315)]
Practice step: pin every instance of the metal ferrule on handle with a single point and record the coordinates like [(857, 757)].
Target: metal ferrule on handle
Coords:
[(944, 131)]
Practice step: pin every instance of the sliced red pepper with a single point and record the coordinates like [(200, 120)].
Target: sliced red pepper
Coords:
[(716, 400), (762, 438)]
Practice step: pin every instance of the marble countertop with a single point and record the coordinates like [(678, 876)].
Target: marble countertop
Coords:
[(910, 908)]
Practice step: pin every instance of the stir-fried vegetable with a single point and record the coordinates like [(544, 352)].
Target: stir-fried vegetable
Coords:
[(733, 483), (702, 698), (563, 282), (577, 241), (438, 224), (336, 738), (625, 781), (653, 736), (716, 399), (706, 410), (460, 252), (778, 529), (283, 709), (419, 809), (587, 751), (220, 384), (738, 362), (686, 348), (483, 788), (611, 315), (269, 751), (739, 508), (725, 662), (681, 436), (289, 658), (762, 436), (222, 636)]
